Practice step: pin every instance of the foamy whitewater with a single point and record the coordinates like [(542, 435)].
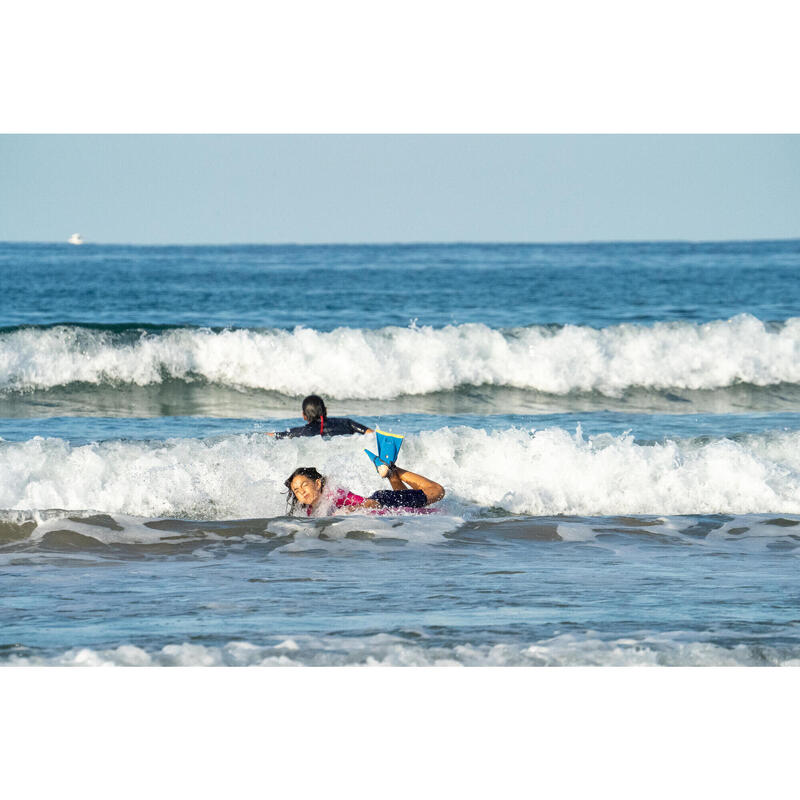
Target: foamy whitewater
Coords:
[(617, 428), (518, 471), (390, 362)]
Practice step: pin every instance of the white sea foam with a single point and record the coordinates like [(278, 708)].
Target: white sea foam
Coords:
[(386, 363), (588, 649), (544, 472)]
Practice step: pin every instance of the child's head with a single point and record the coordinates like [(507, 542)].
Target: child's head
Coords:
[(305, 486), (314, 408)]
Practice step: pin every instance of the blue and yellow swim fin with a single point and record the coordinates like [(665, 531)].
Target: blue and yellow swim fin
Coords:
[(388, 447)]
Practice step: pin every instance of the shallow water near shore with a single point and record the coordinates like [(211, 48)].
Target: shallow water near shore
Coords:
[(617, 427), (402, 591)]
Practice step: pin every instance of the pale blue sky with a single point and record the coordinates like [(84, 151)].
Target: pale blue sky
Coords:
[(421, 188)]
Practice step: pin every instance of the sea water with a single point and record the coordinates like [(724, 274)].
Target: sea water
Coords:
[(617, 427)]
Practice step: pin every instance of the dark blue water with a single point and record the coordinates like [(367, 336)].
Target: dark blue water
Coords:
[(323, 287)]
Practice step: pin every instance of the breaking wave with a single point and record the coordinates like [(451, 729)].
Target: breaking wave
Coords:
[(353, 363), (589, 649), (516, 470)]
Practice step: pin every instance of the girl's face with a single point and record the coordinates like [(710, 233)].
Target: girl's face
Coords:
[(306, 490)]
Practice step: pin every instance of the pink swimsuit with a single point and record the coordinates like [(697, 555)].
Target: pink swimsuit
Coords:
[(341, 498)]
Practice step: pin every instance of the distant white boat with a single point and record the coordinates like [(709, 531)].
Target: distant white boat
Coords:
[(75, 239)]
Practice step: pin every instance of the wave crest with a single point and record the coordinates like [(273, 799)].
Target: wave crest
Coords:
[(590, 649), (548, 472), (353, 363)]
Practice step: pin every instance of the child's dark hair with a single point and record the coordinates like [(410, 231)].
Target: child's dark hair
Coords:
[(308, 472), (314, 408)]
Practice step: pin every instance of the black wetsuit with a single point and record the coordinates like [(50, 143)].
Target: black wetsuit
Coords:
[(400, 498), (328, 426)]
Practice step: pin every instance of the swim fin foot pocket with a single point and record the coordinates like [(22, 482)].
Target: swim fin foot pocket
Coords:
[(380, 465), (388, 447)]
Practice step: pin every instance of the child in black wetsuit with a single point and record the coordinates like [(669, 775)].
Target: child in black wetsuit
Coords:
[(319, 424)]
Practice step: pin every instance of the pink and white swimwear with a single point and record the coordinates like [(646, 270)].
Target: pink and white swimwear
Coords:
[(406, 500)]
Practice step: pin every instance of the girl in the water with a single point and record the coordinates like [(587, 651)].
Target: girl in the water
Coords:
[(318, 423), (409, 492)]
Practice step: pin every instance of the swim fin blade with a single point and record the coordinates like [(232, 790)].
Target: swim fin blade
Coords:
[(383, 469), (375, 459), (388, 447)]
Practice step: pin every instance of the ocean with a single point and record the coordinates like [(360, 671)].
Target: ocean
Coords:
[(617, 426)]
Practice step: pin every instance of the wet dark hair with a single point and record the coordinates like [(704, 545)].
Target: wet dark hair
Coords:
[(308, 472), (314, 408)]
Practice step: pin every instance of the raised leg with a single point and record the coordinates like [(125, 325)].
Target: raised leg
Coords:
[(433, 491)]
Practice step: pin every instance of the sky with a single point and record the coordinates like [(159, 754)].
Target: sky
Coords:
[(217, 189)]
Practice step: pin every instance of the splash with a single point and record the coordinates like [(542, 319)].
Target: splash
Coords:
[(391, 362), (516, 471)]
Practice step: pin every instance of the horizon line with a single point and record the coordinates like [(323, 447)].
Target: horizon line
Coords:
[(415, 243)]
